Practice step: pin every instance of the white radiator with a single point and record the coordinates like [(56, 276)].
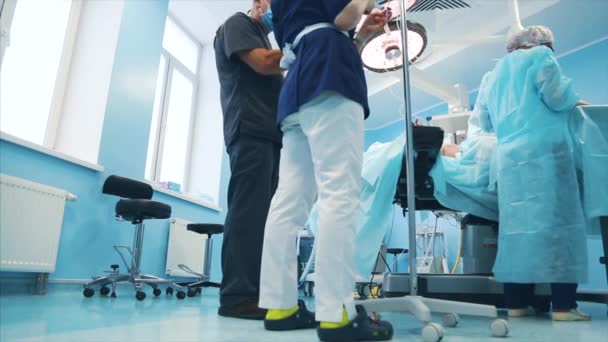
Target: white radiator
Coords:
[(31, 216), (185, 247)]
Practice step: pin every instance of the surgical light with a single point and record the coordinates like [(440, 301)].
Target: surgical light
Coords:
[(383, 51)]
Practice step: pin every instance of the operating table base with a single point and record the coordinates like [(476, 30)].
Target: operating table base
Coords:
[(477, 289)]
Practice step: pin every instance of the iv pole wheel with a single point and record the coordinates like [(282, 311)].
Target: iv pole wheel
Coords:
[(432, 332), (451, 320), (499, 328)]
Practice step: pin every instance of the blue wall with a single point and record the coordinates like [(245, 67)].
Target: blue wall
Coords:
[(588, 68), (89, 230)]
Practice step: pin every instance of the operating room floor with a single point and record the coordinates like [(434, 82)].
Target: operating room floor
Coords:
[(65, 315)]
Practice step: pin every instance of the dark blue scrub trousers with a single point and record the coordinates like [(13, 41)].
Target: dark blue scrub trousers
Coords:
[(254, 166), (519, 296)]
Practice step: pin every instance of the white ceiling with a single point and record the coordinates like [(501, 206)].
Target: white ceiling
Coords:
[(452, 56)]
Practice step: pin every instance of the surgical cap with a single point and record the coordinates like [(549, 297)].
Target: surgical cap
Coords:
[(531, 36)]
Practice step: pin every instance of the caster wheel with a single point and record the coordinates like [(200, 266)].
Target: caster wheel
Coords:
[(499, 328), (157, 292), (451, 320), (140, 295), (432, 332), (181, 294), (199, 291), (88, 292), (104, 291), (191, 292), (169, 291)]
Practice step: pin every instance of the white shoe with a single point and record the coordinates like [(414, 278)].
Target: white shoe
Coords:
[(570, 316), (524, 312)]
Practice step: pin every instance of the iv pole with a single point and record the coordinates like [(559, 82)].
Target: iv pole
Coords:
[(409, 154), (418, 306)]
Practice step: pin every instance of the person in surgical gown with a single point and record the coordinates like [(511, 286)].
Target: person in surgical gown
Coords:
[(526, 100)]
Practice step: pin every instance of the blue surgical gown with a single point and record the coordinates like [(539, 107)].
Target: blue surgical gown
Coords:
[(468, 183), (589, 134), (527, 102)]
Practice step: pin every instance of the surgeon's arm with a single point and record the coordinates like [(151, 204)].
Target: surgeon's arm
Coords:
[(555, 89), (481, 114), (265, 62), (242, 40), (450, 150), (373, 23), (351, 14)]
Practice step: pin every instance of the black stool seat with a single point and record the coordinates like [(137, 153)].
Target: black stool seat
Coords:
[(206, 228), (395, 251), (140, 209)]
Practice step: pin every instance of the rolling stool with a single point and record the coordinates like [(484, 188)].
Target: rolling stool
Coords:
[(135, 206), (209, 229)]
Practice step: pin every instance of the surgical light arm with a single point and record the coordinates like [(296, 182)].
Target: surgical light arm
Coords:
[(457, 96)]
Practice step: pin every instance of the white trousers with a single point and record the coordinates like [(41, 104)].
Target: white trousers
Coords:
[(322, 156)]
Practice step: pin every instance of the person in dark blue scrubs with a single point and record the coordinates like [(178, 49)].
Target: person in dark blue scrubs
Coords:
[(250, 79), (322, 106)]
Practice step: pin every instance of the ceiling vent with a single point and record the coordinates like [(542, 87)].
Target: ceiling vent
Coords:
[(430, 5)]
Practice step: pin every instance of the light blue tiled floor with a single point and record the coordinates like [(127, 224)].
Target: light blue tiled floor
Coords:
[(64, 315)]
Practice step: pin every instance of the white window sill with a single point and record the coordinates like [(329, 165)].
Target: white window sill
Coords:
[(198, 201), (45, 150)]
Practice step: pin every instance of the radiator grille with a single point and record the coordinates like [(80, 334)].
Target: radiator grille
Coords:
[(31, 216), (185, 247)]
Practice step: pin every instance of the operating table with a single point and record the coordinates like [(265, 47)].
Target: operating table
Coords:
[(472, 288)]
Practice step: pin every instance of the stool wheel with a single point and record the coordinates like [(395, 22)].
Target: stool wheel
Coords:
[(88, 292), (169, 291), (192, 292), (140, 295), (157, 292), (181, 294), (104, 291)]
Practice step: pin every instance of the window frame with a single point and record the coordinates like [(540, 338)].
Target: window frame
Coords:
[(63, 75), (172, 64)]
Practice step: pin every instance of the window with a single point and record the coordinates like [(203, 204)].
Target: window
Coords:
[(32, 66), (170, 140)]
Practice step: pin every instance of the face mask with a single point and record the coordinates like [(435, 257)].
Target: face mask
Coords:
[(267, 19)]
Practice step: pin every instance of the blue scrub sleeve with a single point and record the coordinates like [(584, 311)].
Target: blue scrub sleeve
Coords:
[(241, 35), (334, 7), (555, 90)]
